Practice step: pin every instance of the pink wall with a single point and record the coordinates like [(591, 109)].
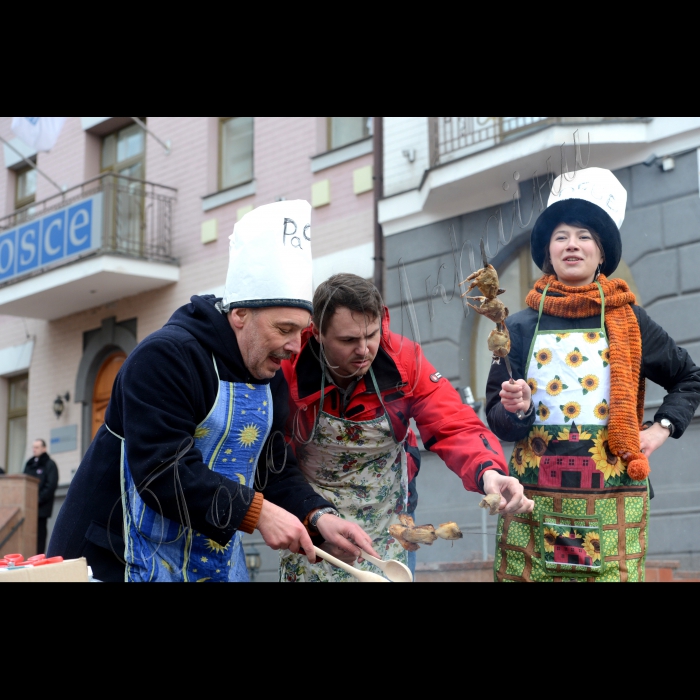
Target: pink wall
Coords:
[(284, 147)]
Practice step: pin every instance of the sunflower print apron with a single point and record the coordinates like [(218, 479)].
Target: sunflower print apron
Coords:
[(590, 521), (231, 440), (362, 470)]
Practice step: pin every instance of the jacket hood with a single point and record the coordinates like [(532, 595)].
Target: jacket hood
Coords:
[(202, 319)]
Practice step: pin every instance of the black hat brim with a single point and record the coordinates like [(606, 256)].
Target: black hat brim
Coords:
[(583, 212)]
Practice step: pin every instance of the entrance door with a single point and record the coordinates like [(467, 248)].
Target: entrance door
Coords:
[(103, 389)]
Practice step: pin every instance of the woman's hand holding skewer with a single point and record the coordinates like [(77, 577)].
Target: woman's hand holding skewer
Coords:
[(516, 397)]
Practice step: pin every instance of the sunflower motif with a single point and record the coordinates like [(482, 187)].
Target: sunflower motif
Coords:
[(589, 384), (550, 539), (602, 410), (591, 338), (575, 359), (543, 357), (543, 412), (562, 336), (571, 411), (555, 387), (605, 356), (539, 442), (608, 463), (592, 546), (533, 386), (520, 460)]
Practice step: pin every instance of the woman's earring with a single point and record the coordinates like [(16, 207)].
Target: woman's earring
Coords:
[(600, 270)]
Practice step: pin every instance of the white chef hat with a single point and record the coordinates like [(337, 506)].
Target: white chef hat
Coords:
[(270, 259)]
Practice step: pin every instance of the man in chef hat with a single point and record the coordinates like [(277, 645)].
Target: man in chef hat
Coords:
[(192, 454)]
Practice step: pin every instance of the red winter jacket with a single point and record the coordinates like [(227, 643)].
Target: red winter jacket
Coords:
[(411, 388)]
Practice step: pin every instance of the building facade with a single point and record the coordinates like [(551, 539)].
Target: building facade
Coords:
[(451, 181), (103, 237)]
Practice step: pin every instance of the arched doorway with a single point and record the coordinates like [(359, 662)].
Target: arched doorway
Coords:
[(103, 388)]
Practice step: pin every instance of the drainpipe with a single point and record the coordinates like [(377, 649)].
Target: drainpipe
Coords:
[(378, 123)]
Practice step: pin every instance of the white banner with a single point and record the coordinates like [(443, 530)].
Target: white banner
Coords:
[(41, 133)]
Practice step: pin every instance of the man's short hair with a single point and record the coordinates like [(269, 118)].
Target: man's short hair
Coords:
[(346, 291), (43, 442)]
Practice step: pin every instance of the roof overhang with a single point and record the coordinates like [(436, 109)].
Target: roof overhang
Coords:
[(84, 285), (478, 181)]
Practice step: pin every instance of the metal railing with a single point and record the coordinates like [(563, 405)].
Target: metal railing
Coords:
[(454, 137), (137, 215)]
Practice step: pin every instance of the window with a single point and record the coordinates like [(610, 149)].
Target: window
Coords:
[(346, 130), (17, 424), (124, 152), (236, 151), (26, 188)]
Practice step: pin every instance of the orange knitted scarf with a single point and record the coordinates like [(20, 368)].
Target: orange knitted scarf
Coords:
[(627, 390)]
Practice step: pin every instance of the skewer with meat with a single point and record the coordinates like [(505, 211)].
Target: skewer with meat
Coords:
[(411, 537)]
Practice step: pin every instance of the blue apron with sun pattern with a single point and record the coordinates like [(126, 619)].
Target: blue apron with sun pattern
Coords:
[(231, 440)]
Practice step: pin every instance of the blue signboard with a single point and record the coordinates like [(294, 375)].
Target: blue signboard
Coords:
[(56, 237)]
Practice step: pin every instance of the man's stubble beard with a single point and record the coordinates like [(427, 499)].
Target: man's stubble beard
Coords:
[(257, 356)]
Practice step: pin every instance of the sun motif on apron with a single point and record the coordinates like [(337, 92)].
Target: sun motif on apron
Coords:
[(590, 519), (362, 470)]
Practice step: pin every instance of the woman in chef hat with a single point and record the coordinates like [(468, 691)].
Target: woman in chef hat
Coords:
[(584, 350)]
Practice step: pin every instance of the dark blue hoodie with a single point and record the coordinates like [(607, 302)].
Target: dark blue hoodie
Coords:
[(165, 389)]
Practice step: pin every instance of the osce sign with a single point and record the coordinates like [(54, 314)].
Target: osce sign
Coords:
[(53, 238)]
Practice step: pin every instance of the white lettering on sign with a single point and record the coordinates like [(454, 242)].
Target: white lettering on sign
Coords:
[(28, 247), (79, 220), (7, 255), (48, 248)]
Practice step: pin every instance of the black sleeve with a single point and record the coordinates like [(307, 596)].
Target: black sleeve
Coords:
[(50, 484), (505, 425), (671, 367), (157, 393), (279, 478)]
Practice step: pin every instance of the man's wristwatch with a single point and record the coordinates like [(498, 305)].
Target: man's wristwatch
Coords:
[(319, 514)]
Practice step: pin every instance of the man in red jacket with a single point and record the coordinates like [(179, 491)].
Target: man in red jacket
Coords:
[(353, 389)]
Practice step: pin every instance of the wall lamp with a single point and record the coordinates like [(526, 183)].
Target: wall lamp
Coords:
[(253, 562), (59, 405), (666, 164)]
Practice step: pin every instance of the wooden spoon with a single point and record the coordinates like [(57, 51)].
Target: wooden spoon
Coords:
[(362, 576), (394, 570)]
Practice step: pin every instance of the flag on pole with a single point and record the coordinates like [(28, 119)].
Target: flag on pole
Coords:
[(40, 133)]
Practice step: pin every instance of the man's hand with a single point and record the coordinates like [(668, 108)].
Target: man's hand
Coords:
[(339, 553), (513, 499), (281, 530), (347, 540), (516, 397)]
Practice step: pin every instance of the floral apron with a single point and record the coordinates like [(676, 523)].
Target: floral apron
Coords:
[(590, 520), (231, 440), (362, 470)]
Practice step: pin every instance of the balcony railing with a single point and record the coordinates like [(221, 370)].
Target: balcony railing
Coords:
[(455, 137), (111, 214)]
